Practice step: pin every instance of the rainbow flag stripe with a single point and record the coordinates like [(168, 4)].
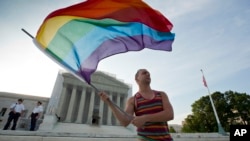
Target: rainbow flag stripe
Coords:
[(81, 35)]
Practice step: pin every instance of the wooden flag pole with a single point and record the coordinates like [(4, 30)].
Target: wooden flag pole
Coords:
[(121, 110)]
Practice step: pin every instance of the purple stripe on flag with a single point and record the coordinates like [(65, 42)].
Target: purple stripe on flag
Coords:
[(120, 45)]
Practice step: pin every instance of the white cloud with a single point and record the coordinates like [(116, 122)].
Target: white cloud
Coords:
[(174, 9)]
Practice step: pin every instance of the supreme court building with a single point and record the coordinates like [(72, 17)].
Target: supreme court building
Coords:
[(74, 102)]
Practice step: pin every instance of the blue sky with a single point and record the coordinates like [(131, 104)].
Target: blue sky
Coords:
[(212, 35)]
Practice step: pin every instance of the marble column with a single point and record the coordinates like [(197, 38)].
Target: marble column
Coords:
[(91, 106), (101, 107), (71, 105), (118, 104), (81, 106), (62, 102), (124, 98), (109, 118)]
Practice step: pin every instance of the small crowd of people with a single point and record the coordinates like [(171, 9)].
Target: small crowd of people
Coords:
[(17, 109)]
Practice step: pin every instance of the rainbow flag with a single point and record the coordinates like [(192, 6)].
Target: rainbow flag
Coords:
[(81, 35)]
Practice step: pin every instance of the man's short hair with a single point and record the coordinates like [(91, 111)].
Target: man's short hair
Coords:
[(39, 102), (137, 73), (20, 99)]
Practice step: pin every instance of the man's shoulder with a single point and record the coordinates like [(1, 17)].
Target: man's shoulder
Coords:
[(160, 92), (131, 98)]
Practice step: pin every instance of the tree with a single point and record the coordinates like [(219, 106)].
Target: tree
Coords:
[(240, 108), (172, 130), (231, 107)]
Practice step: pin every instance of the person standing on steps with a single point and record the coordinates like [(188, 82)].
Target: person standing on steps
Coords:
[(16, 110), (35, 115)]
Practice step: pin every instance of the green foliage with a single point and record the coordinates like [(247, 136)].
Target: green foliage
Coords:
[(172, 130), (232, 108)]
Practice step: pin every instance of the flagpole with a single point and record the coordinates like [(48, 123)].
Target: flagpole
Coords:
[(129, 116), (97, 90), (220, 128)]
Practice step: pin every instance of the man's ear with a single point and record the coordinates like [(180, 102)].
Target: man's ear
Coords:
[(136, 80)]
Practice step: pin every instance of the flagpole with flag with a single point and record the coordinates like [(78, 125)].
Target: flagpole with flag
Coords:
[(220, 128), (97, 90)]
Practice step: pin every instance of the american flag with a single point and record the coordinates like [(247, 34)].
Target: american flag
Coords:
[(204, 81)]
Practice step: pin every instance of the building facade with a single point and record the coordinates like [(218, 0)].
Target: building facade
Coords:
[(72, 101)]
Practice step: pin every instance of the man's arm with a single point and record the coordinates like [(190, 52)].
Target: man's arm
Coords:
[(40, 112), (124, 119), (12, 108), (22, 111), (165, 115), (39, 115)]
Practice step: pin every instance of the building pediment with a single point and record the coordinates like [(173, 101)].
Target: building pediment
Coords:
[(107, 79), (97, 78)]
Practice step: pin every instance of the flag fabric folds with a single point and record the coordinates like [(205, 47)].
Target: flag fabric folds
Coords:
[(204, 81), (81, 35)]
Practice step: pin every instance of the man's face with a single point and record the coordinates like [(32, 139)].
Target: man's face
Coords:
[(143, 77)]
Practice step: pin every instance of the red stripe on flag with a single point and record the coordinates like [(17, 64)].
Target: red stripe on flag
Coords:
[(204, 81)]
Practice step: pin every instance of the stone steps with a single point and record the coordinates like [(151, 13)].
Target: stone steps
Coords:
[(9, 135)]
